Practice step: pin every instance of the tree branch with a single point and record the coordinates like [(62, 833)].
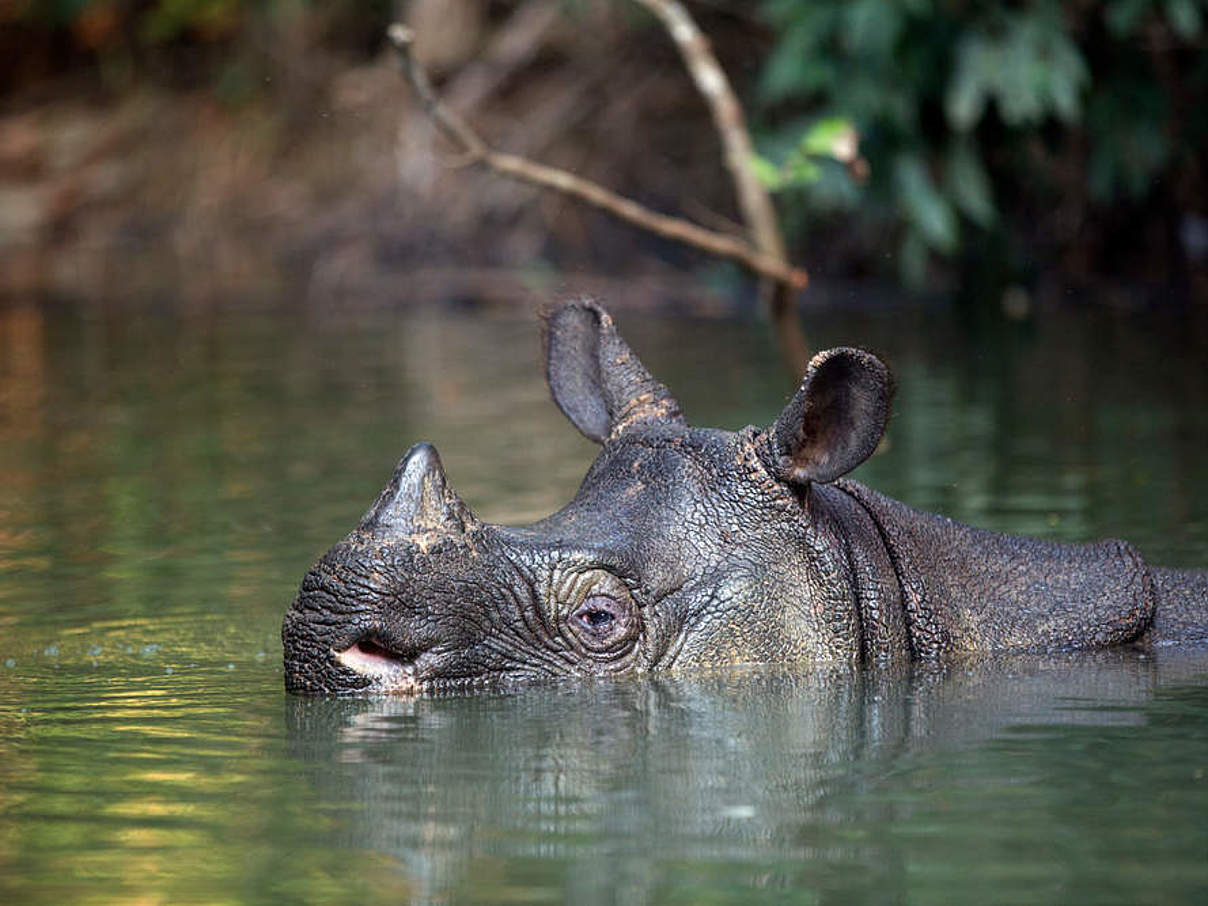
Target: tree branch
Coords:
[(461, 134), (728, 118), (753, 199)]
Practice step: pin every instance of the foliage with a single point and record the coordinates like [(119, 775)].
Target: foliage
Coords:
[(831, 138), (967, 110)]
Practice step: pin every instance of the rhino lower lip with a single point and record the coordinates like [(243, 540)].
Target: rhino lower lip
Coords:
[(391, 672)]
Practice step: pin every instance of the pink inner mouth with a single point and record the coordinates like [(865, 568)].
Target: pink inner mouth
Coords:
[(391, 674)]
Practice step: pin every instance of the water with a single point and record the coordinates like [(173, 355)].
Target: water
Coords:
[(165, 479)]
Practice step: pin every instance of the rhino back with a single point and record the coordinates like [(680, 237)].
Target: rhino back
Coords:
[(1182, 612), (966, 589)]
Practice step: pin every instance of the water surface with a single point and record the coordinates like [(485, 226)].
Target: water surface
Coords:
[(165, 479)]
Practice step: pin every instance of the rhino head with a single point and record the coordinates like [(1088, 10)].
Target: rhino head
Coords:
[(683, 546)]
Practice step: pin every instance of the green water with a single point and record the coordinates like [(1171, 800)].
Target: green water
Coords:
[(166, 479)]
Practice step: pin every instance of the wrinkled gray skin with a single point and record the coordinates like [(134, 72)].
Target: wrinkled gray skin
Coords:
[(689, 547)]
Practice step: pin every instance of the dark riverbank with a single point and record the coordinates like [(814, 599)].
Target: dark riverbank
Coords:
[(276, 154)]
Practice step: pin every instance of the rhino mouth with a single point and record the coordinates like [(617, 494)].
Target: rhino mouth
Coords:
[(388, 670)]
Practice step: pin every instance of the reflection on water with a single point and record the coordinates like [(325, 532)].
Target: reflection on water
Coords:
[(766, 782), (165, 480)]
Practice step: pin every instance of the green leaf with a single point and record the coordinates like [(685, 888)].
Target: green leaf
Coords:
[(871, 27), (767, 173), (969, 185), (965, 99), (1019, 82), (923, 205), (833, 137), (801, 171), (1068, 73), (1184, 18), (799, 64), (1123, 16)]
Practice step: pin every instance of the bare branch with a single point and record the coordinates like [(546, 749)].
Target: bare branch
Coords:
[(728, 117), (626, 209), (453, 126), (753, 200), (519, 168)]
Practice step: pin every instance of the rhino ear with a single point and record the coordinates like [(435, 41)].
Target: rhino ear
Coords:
[(595, 378), (418, 499), (836, 418)]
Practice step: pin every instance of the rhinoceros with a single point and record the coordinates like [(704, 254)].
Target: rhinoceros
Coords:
[(697, 547)]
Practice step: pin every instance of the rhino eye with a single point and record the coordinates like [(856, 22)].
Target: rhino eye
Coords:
[(597, 613), (602, 623)]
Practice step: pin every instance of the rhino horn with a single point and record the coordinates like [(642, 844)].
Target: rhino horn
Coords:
[(418, 500)]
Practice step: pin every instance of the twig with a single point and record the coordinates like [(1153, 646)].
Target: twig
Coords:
[(524, 170), (753, 199), (446, 120), (728, 117)]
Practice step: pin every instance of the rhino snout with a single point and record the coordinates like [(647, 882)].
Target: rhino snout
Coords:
[(351, 660)]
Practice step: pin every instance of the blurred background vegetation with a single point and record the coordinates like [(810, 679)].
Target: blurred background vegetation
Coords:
[(1028, 134), (1008, 150)]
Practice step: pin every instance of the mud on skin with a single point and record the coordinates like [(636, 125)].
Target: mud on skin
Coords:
[(687, 547)]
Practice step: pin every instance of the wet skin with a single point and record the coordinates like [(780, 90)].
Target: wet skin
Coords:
[(688, 547)]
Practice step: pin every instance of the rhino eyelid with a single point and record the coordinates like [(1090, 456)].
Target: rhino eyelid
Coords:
[(631, 585), (634, 589)]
